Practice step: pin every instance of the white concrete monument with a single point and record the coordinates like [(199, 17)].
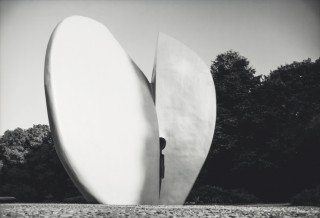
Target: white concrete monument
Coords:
[(186, 110), (104, 115)]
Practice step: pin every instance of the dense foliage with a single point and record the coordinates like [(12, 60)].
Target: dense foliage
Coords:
[(217, 195), (266, 144), (30, 169), (308, 197), (267, 137)]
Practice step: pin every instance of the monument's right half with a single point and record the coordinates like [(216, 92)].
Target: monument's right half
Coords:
[(185, 101)]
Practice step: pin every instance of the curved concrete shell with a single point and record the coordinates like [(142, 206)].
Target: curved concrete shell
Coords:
[(186, 109), (102, 115)]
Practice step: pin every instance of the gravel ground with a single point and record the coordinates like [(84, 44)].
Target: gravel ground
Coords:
[(96, 210)]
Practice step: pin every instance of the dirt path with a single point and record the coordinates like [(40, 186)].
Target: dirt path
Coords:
[(96, 210)]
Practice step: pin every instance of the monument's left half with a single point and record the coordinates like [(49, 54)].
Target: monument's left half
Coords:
[(101, 114)]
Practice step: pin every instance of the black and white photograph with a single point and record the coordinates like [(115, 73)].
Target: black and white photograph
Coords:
[(160, 108)]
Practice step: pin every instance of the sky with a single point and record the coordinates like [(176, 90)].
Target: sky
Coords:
[(269, 33)]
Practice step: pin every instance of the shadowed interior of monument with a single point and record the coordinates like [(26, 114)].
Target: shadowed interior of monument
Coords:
[(161, 173)]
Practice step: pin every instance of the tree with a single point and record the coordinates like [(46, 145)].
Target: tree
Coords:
[(290, 125), (234, 82), (31, 170), (267, 130)]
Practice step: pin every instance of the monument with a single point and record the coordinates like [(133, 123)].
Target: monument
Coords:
[(108, 122)]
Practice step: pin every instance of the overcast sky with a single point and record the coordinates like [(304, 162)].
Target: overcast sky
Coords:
[(268, 33)]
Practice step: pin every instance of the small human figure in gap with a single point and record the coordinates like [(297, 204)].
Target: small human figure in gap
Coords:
[(162, 146)]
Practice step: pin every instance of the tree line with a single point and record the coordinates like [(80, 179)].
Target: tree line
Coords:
[(267, 136), (266, 142)]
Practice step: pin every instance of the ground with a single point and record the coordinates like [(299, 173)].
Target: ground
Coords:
[(98, 210)]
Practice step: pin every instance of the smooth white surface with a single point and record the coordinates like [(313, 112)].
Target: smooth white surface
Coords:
[(186, 110), (102, 115)]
